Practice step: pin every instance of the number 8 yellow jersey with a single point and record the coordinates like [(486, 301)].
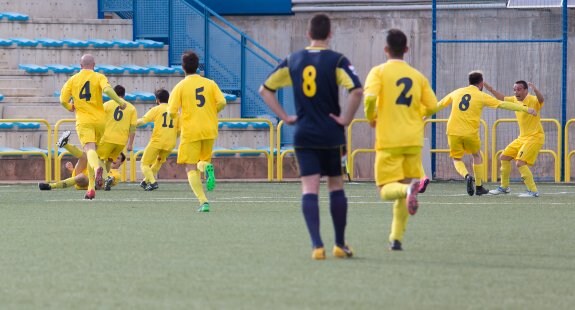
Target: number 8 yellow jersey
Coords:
[(403, 98)]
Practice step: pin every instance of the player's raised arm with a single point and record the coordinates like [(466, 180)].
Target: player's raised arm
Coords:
[(537, 93), (495, 93)]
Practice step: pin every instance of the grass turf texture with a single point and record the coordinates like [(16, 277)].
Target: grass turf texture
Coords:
[(152, 250)]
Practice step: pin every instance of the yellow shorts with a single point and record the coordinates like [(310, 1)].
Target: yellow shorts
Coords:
[(459, 145), (90, 133), (396, 164), (85, 173), (193, 152), (115, 173), (152, 154), (523, 149), (111, 151)]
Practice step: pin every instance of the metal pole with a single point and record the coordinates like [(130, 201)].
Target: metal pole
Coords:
[(206, 42), (433, 79), (564, 84)]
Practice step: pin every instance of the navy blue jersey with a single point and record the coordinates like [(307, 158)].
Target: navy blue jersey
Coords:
[(315, 74)]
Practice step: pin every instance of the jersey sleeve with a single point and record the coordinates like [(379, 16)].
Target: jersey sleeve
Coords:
[(509, 98), (491, 102), (446, 101), (134, 119), (346, 76), (175, 102), (428, 98), (279, 78), (372, 83), (66, 92), (103, 81), (218, 95), (150, 116)]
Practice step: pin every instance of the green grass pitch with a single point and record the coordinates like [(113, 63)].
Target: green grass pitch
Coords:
[(131, 249)]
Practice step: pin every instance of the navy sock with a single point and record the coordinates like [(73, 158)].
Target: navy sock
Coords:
[(338, 209), (310, 210)]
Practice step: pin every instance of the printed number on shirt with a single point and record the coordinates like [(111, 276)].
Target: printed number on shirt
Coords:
[(403, 98), (201, 99), (309, 86), (464, 103), (118, 114), (165, 124), (85, 91)]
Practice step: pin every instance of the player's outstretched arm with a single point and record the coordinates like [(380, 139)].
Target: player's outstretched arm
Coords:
[(112, 94), (353, 102), (537, 92), (495, 93), (516, 107), (271, 100)]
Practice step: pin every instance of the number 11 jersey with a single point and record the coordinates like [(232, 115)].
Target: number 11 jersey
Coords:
[(165, 133)]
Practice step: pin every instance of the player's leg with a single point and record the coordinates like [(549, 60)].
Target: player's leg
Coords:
[(472, 145), (456, 152), (205, 165), (89, 134), (526, 157), (423, 182), (508, 154), (310, 168), (189, 154), (331, 166), (148, 158)]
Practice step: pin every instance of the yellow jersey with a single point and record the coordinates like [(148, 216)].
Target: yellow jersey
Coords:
[(166, 129), (466, 114), (403, 93), (85, 88), (198, 99), (529, 125), (118, 122), (115, 173)]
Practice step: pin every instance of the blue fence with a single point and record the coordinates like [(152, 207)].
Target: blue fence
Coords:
[(237, 63)]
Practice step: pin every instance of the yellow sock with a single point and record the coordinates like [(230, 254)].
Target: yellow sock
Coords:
[(74, 150), (399, 222), (106, 165), (156, 167), (527, 177), (93, 160), (460, 168), (478, 172), (149, 174), (196, 185), (393, 191), (91, 178), (505, 173), (202, 165), (64, 183)]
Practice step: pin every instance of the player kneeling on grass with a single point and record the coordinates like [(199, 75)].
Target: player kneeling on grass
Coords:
[(163, 140), (79, 179)]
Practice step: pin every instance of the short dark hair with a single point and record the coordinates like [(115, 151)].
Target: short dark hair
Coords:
[(190, 62), (123, 156), (475, 77), (319, 27), (162, 95), (523, 83), (120, 90), (396, 42)]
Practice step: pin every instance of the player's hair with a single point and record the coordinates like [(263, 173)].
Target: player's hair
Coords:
[(162, 95), (475, 77), (123, 156), (523, 83), (120, 90), (319, 27), (190, 62), (396, 42)]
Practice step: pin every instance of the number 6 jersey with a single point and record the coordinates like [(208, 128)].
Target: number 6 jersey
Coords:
[(315, 74)]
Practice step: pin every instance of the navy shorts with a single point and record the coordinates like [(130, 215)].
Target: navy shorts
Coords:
[(325, 162)]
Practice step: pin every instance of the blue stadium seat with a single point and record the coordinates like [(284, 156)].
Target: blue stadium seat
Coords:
[(1, 97), (6, 149), (150, 43), (6, 125), (237, 125), (144, 96), (243, 148), (60, 68), (130, 97), (24, 42), (267, 148), (34, 149), (219, 148), (127, 44), (46, 42), (133, 69), (230, 97), (109, 69), (136, 149), (27, 125), (259, 125), (4, 42), (14, 16), (179, 70), (30, 68), (76, 43), (162, 69), (101, 43)]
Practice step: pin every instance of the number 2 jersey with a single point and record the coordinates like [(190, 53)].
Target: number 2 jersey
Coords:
[(165, 133), (315, 74), (468, 103), (85, 87), (403, 98), (118, 122)]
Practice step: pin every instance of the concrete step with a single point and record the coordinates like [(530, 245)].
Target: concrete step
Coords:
[(7, 82), (11, 57), (54, 28), (53, 8), (20, 92)]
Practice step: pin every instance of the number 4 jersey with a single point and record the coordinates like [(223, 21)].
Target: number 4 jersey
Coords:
[(118, 122), (315, 74), (166, 129), (85, 88), (403, 98)]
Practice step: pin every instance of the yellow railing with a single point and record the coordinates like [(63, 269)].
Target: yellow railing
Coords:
[(495, 153), (352, 154), (568, 154), (280, 155), (483, 152), (47, 157)]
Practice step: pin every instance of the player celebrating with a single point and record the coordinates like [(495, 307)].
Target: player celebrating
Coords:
[(163, 139), (85, 88), (463, 127), (396, 94), (315, 73), (200, 99), (531, 138)]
